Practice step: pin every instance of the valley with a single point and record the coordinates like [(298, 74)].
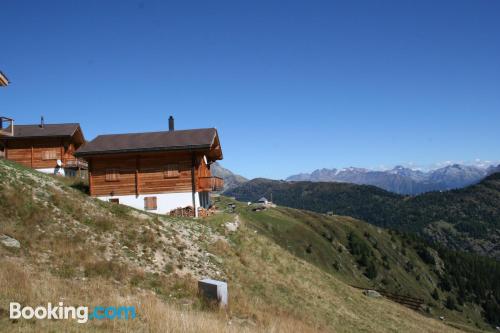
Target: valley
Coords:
[(464, 219)]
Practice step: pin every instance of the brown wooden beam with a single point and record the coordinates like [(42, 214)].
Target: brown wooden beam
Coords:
[(32, 156), (137, 176), (62, 152), (193, 182), (91, 187)]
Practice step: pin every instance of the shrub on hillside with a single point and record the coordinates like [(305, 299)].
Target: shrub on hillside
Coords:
[(451, 302)]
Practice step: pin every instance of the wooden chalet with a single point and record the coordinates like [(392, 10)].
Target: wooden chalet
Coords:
[(154, 171), (47, 148)]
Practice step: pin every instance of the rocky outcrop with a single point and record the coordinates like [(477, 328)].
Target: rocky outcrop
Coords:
[(9, 242)]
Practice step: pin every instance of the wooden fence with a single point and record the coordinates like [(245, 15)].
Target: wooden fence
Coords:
[(410, 302)]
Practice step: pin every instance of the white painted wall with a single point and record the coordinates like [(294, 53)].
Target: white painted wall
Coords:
[(53, 171), (165, 202), (59, 171)]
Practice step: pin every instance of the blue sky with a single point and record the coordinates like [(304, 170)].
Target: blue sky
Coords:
[(291, 86)]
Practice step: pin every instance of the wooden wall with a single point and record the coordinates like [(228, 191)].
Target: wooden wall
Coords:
[(203, 170), (29, 152), (144, 173)]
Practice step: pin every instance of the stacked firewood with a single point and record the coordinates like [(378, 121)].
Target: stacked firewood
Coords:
[(187, 211), (202, 212)]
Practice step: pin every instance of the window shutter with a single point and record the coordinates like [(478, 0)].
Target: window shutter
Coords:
[(112, 175), (49, 155), (172, 171), (150, 203)]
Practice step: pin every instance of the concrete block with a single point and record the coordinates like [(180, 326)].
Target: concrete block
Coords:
[(214, 290)]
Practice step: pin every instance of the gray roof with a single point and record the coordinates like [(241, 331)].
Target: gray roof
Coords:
[(150, 141), (52, 130)]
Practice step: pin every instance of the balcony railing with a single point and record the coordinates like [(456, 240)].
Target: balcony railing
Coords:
[(211, 184), (76, 163)]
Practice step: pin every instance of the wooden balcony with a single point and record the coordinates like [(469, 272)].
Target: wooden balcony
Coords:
[(210, 184), (76, 163), (4, 82), (6, 130)]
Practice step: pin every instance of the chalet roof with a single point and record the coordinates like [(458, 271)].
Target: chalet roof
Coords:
[(194, 139), (48, 130)]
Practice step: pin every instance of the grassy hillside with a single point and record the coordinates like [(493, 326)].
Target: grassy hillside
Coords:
[(465, 219), (85, 252), (363, 255)]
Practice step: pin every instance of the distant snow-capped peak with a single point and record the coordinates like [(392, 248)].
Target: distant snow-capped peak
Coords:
[(403, 180)]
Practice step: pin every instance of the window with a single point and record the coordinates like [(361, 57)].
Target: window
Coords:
[(112, 175), (115, 201), (150, 203), (171, 171), (49, 155)]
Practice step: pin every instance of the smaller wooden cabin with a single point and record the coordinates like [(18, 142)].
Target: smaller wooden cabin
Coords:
[(154, 171), (263, 201), (47, 148)]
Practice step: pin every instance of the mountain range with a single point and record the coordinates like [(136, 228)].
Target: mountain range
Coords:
[(463, 219), (403, 180), (231, 180)]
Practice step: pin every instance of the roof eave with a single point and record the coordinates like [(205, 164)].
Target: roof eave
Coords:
[(140, 150), (36, 136)]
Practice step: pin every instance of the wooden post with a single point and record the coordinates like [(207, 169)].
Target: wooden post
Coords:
[(193, 183), (6, 151), (32, 156), (91, 191), (137, 168), (62, 152)]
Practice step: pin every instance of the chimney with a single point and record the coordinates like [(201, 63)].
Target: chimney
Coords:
[(171, 123), (42, 122)]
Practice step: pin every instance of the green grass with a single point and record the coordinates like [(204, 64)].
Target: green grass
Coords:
[(324, 242)]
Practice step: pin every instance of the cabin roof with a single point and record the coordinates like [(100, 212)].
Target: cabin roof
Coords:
[(48, 130), (194, 139)]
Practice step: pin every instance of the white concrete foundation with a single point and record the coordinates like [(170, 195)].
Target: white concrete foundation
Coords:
[(53, 171), (165, 202), (59, 171)]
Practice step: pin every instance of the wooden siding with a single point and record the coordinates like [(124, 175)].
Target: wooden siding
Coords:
[(70, 150), (33, 153), (203, 173), (146, 173)]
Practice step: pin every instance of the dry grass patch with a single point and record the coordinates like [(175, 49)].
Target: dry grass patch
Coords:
[(31, 287)]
